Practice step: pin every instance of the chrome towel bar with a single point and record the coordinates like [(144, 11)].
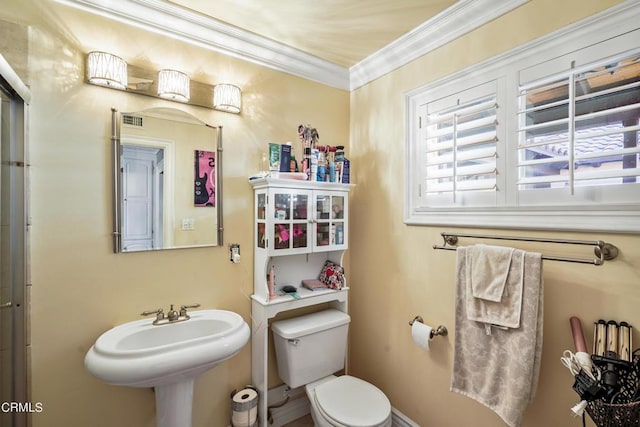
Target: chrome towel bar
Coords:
[(602, 250)]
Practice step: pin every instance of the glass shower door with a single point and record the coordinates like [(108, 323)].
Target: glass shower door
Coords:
[(6, 326), (13, 339)]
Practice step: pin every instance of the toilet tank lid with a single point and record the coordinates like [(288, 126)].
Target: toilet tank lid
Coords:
[(309, 323)]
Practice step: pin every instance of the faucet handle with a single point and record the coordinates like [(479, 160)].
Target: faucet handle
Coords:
[(183, 308), (159, 313), (147, 313)]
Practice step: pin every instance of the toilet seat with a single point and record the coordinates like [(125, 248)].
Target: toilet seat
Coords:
[(350, 401)]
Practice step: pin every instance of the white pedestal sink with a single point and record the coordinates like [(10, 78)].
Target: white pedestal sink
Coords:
[(168, 357)]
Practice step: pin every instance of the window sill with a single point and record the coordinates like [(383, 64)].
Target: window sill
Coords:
[(622, 219)]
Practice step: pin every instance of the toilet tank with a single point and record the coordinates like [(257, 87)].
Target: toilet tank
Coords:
[(310, 347)]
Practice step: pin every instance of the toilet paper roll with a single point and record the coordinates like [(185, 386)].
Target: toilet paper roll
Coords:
[(421, 334), (244, 405)]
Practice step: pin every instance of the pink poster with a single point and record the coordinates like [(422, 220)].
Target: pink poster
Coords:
[(205, 178)]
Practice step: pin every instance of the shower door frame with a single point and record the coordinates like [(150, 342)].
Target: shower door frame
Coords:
[(15, 206)]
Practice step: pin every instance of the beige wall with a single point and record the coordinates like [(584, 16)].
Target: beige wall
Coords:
[(80, 288), (395, 274)]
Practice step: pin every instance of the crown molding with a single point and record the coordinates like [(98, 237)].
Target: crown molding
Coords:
[(459, 19), (183, 24)]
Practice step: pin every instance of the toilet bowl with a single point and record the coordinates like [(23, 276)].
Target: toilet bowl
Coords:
[(310, 349), (347, 401)]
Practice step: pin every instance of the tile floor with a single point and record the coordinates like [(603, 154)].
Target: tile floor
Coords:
[(305, 421)]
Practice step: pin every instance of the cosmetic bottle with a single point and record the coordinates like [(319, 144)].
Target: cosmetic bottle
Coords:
[(313, 175), (339, 162), (272, 283), (332, 164), (306, 163), (322, 164)]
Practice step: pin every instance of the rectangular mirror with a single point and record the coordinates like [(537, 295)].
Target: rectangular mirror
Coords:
[(167, 181)]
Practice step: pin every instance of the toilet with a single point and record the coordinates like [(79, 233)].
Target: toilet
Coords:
[(310, 349)]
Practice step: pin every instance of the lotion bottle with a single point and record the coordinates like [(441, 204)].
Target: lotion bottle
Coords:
[(272, 283)]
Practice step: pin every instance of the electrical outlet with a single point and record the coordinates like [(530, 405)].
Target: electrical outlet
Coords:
[(234, 253)]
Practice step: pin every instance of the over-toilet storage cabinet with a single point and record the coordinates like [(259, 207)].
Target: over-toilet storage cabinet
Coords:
[(298, 225)]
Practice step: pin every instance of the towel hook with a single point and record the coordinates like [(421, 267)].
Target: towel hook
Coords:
[(439, 331)]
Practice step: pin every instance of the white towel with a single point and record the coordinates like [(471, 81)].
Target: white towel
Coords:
[(500, 370), (506, 311), (487, 270)]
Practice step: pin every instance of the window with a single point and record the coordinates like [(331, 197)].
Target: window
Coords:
[(578, 131), (545, 136)]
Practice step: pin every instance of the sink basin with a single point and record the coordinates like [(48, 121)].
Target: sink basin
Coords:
[(167, 357), (139, 354)]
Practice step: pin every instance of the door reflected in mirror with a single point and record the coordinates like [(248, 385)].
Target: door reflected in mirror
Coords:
[(168, 181)]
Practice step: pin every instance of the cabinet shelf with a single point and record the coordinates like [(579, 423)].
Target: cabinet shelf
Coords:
[(307, 298)]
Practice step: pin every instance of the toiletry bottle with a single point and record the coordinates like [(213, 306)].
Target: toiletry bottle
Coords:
[(293, 165), (339, 161), (332, 164), (272, 283), (306, 163), (313, 173), (322, 164), (346, 171)]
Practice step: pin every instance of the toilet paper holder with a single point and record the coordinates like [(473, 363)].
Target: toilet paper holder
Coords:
[(440, 330)]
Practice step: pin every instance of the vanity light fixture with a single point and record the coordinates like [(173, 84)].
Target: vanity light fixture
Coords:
[(174, 85), (227, 97), (105, 69)]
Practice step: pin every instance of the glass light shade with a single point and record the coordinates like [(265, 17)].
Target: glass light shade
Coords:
[(227, 98), (106, 69), (174, 85)]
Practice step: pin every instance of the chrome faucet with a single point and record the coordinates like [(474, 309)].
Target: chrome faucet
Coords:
[(172, 316)]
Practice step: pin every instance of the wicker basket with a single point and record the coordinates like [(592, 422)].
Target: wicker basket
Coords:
[(614, 415), (625, 413)]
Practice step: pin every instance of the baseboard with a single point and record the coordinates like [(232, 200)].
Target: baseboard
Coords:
[(296, 407), (398, 419)]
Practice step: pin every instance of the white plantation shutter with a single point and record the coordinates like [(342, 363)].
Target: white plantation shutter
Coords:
[(545, 136), (460, 140), (578, 133)]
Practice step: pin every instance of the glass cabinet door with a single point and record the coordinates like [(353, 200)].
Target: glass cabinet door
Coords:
[(261, 217), (290, 221), (330, 222)]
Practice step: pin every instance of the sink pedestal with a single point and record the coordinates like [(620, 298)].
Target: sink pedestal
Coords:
[(174, 404)]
